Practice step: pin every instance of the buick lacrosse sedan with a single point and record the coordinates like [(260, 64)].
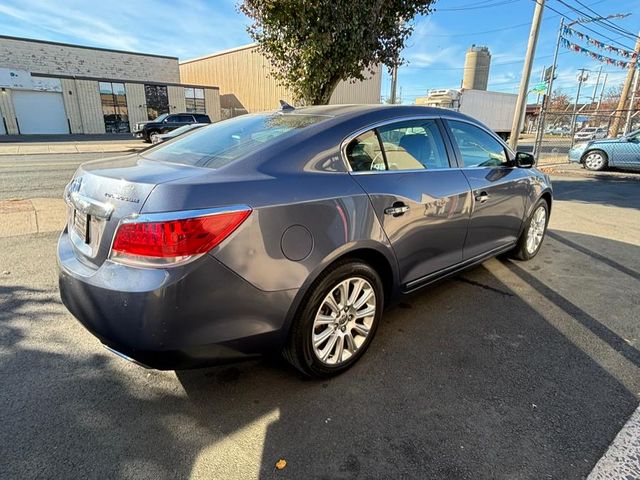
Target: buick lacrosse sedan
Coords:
[(288, 231)]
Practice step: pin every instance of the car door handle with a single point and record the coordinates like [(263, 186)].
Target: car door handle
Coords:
[(482, 197), (397, 209)]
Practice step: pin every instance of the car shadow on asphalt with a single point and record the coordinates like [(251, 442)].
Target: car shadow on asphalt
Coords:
[(470, 378), (599, 191)]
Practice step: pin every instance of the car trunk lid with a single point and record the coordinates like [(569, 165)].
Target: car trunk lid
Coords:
[(103, 192)]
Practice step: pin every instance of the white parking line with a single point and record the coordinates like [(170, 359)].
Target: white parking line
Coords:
[(622, 458)]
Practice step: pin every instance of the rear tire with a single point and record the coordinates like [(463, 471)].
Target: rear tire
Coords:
[(595, 160), (337, 320), (533, 234)]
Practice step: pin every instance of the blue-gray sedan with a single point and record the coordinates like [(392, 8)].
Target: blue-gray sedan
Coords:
[(623, 152), (289, 231)]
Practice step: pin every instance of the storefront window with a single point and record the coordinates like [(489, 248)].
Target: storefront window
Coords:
[(194, 98), (114, 107), (157, 100)]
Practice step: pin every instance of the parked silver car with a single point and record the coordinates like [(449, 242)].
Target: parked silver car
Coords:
[(590, 133), (289, 231), (623, 152)]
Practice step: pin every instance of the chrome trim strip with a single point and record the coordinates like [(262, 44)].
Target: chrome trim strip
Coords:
[(125, 357), (181, 214), (89, 206), (345, 142)]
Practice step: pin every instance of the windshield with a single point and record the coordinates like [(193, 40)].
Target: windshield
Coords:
[(160, 118), (223, 142)]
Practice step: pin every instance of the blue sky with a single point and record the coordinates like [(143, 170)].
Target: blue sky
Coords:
[(435, 53)]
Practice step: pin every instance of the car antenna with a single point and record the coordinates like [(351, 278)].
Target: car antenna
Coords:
[(284, 106)]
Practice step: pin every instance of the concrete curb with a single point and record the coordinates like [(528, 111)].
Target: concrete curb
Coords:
[(36, 215), (68, 149), (622, 458)]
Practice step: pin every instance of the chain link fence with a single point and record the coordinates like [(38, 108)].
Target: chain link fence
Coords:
[(561, 130)]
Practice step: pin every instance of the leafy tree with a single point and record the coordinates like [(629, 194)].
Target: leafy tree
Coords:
[(314, 44)]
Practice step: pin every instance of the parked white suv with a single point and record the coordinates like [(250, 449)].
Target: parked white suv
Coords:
[(591, 133)]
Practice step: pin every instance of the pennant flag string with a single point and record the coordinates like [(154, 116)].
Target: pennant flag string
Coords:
[(596, 56), (570, 32)]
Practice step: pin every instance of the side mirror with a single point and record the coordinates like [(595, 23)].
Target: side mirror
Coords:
[(525, 160)]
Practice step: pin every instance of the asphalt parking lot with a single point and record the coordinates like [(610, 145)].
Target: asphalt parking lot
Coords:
[(510, 370)]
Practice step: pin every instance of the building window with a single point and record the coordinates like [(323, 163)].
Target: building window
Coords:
[(157, 100), (114, 107), (194, 98)]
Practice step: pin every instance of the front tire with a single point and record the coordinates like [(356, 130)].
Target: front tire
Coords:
[(595, 160), (337, 320), (533, 234)]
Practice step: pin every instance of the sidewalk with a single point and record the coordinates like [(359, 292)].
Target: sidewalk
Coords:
[(36, 215), (47, 144)]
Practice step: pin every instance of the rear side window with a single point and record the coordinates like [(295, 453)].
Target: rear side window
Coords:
[(409, 145), (414, 145), (477, 147), (224, 142)]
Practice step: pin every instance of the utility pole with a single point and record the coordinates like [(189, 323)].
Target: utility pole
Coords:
[(394, 85), (615, 127), (604, 84), (521, 104), (546, 99), (582, 77), (627, 124)]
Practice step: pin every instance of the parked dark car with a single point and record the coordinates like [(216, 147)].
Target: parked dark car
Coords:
[(167, 122), (289, 231), (163, 137)]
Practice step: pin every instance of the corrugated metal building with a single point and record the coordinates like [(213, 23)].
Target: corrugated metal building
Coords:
[(246, 86), (50, 87)]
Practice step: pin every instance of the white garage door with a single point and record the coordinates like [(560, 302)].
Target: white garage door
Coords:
[(2, 130), (40, 112)]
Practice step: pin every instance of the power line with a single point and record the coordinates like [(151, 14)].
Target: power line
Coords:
[(580, 12), (476, 6), (612, 25)]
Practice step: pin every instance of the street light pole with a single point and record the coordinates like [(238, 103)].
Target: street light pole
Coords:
[(526, 73), (582, 77)]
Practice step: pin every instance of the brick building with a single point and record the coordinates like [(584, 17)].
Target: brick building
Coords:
[(49, 87)]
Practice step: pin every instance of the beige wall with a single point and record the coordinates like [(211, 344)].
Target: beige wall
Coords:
[(177, 103), (54, 59), (8, 113), (243, 77), (90, 106), (212, 104), (135, 103), (71, 104)]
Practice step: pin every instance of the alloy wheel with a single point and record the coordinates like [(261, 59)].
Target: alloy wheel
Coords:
[(536, 229), (343, 321)]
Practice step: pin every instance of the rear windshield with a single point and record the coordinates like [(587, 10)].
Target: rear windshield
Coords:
[(221, 143)]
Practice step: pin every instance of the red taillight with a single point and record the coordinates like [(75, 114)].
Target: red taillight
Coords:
[(174, 239)]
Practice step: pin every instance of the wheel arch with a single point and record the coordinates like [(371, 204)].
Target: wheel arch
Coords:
[(378, 256)]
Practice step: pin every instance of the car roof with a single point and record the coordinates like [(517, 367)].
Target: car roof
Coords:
[(356, 110)]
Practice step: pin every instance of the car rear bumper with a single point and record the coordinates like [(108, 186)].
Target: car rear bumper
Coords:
[(189, 316)]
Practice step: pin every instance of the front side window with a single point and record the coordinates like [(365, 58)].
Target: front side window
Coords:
[(477, 147), (114, 107), (194, 99)]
